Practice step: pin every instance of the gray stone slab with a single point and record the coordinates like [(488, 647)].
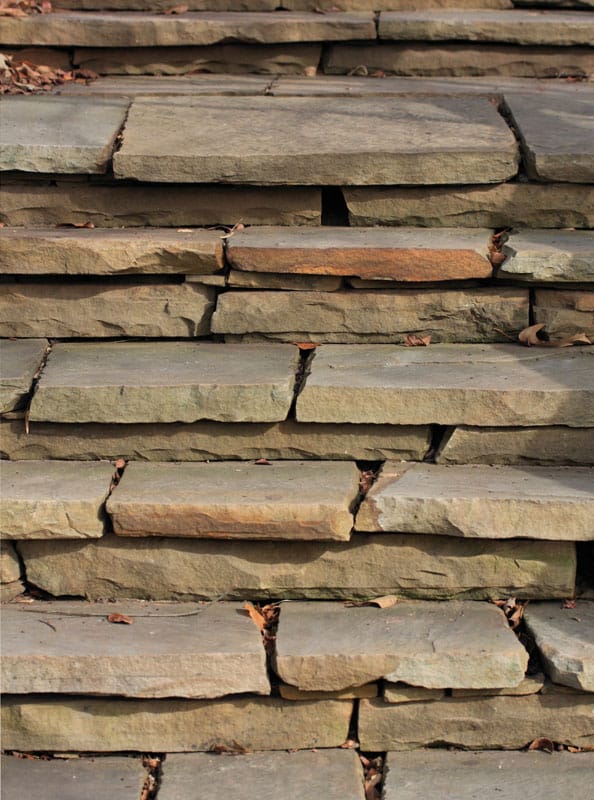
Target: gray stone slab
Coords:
[(465, 645), (543, 256), (166, 85), (226, 500), (10, 568), (312, 141), (565, 313), (491, 776), (53, 499), (169, 650), (63, 135), (177, 382), (19, 361), (496, 502), (565, 639), (106, 778), (332, 774)]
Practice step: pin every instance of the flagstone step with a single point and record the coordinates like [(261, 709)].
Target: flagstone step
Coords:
[(298, 5), (565, 313), (165, 85), (482, 501), (549, 256), (21, 359)]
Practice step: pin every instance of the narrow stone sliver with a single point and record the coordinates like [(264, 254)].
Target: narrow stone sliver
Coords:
[(21, 361)]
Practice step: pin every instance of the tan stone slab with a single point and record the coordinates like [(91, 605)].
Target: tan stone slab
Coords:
[(166, 382), (291, 283), (417, 566), (19, 361), (54, 499), (164, 85), (288, 692), (164, 5), (170, 650), (313, 141), (496, 502), (78, 251), (168, 726), (532, 684), (397, 254), (208, 280), (565, 313), (226, 500), (541, 255), (402, 693), (488, 723), (459, 644), (10, 568), (8, 591)]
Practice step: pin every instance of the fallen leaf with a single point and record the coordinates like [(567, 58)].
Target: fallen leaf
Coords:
[(255, 615), (120, 619), (412, 340), (306, 345), (366, 480), (543, 743), (536, 336), (387, 601), (263, 462), (529, 336), (350, 744), (310, 72), (568, 604)]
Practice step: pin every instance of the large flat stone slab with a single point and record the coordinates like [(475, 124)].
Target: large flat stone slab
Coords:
[(543, 256), (170, 650), (450, 385), (466, 645), (178, 382), (565, 639), (165, 85), (282, 281), (312, 141), (64, 135), (565, 313), (496, 502), (20, 361), (283, 500), (54, 499)]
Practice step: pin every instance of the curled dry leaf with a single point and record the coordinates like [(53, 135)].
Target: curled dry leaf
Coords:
[(542, 743), (310, 72), (306, 345), (568, 604), (412, 340), (387, 601), (366, 480), (255, 615), (536, 336), (263, 462), (350, 744), (120, 619)]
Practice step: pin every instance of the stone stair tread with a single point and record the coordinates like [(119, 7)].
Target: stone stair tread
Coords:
[(167, 85), (494, 385), (546, 255), (459, 644), (169, 650), (298, 5), (54, 499), (494, 502), (565, 639), (19, 361), (282, 500)]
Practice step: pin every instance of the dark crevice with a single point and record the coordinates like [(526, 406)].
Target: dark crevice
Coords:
[(507, 116), (153, 763), (438, 434), (303, 369), (334, 207)]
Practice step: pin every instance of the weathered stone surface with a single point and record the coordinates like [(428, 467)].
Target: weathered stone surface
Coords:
[(163, 5), (208, 280), (397, 254), (163, 85), (8, 591), (491, 776), (10, 569), (449, 385), (170, 650), (381, 316), (433, 567), (332, 774), (108, 778), (291, 283), (485, 501), (297, 5), (553, 445), (83, 145), (97, 309), (461, 644), (312, 141), (79, 251), (53, 499), (213, 441), (402, 693), (226, 500), (289, 692), (95, 724), (177, 382), (20, 361), (532, 684), (540, 255), (489, 723), (138, 206), (565, 313), (565, 639), (507, 204)]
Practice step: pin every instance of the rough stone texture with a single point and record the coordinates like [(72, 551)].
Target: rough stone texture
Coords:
[(508, 204), (10, 569), (109, 252), (557, 256), (213, 441), (432, 567), (291, 283), (163, 5), (331, 774), (226, 500), (108, 778), (98, 309), (468, 315), (565, 313), (489, 723), (178, 382), (139, 206), (565, 639), (490, 776), (20, 361), (312, 141), (8, 591), (292, 693), (53, 499), (557, 135), (219, 280), (163, 85), (64, 135), (459, 644), (271, 5), (449, 385), (157, 726), (402, 254), (168, 651), (484, 501), (553, 445), (402, 693), (532, 684)]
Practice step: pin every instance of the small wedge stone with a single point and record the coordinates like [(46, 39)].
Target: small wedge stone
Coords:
[(289, 692), (19, 362), (564, 313), (402, 693), (540, 255), (10, 568), (282, 500), (290, 283)]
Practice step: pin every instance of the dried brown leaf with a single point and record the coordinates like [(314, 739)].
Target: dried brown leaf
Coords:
[(306, 345), (542, 743), (568, 604), (387, 601), (310, 72), (412, 340), (536, 336), (529, 336), (120, 619), (263, 462), (255, 615), (350, 744)]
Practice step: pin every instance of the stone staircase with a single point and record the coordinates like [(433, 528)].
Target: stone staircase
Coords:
[(279, 481)]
